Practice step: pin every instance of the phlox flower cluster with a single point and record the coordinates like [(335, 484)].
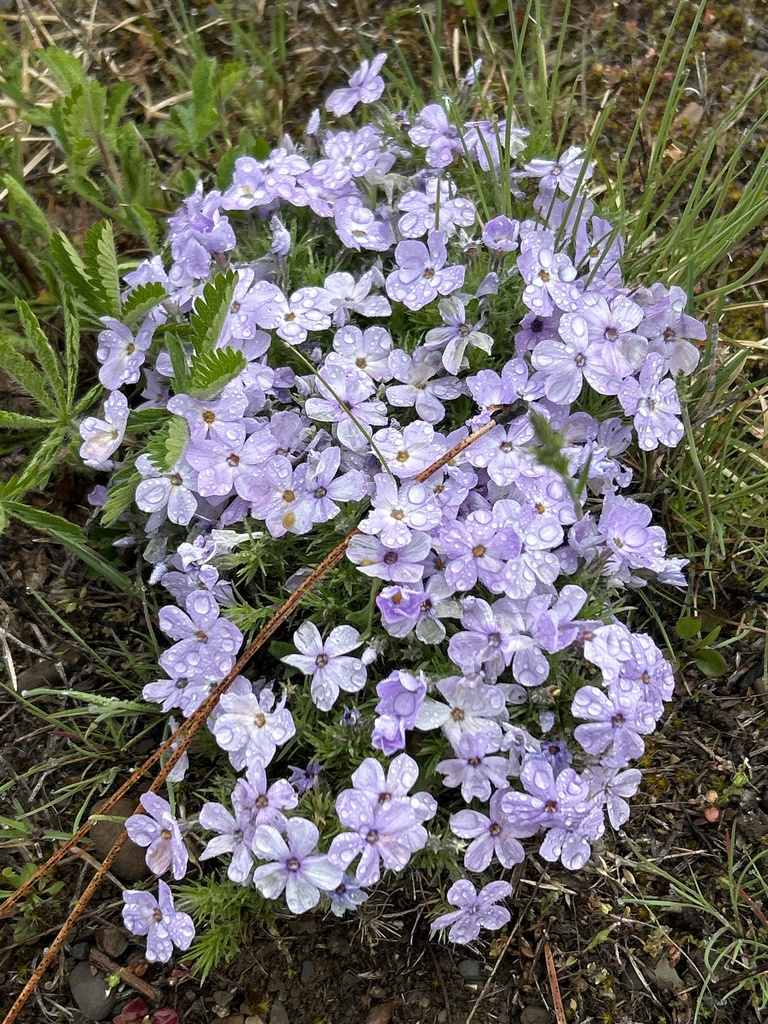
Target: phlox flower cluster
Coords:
[(475, 595)]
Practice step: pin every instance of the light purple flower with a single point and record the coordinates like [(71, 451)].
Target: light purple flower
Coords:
[(396, 565), (220, 420), (292, 866), (358, 227), (477, 549), (421, 273), (164, 926), (494, 835), (398, 511), (322, 489), (611, 787), (418, 607), (170, 492), (347, 895), (400, 698), (549, 278), (409, 451), (457, 336), (101, 438), (264, 804), (475, 769), (206, 642), (560, 805), (654, 404), (616, 722), (365, 86), (420, 388), (120, 354), (251, 728), (476, 910), (235, 833), (158, 830), (348, 295), (223, 467), (366, 351), (562, 173), (345, 398), (326, 662), (307, 309), (424, 212), (386, 822), (305, 779), (433, 131)]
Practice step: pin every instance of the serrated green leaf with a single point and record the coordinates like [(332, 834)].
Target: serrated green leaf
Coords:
[(210, 312), (122, 490), (101, 266), (27, 211), (166, 446), (146, 225), (116, 103), (66, 69), (26, 375), (688, 627), (709, 662), (18, 421), (69, 263), (71, 343), (179, 361), (141, 300), (142, 420), (210, 373), (36, 341), (73, 538)]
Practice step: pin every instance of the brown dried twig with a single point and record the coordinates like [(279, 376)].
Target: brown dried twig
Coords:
[(176, 744)]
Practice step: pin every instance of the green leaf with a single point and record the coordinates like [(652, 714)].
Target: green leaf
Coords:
[(210, 312), (709, 662), (688, 627), (26, 375), (66, 69), (179, 361), (122, 490), (166, 446), (37, 342), (18, 421), (68, 261), (141, 300), (210, 373), (146, 225), (73, 538), (71, 343), (27, 211), (101, 266)]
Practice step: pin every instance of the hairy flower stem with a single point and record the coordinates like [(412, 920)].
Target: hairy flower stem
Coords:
[(181, 739)]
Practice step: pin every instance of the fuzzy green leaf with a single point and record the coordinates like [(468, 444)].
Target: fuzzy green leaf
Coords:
[(71, 343), (146, 225), (210, 373), (18, 421), (141, 300), (66, 69), (101, 267), (73, 538), (26, 375), (166, 446), (68, 261), (35, 341), (211, 311), (27, 211), (122, 490)]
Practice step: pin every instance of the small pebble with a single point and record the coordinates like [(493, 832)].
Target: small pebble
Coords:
[(94, 998), (471, 970), (80, 950), (130, 864), (307, 971), (278, 1014), (222, 997), (112, 941), (536, 1015)]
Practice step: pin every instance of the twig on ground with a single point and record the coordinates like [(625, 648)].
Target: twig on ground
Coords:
[(554, 985), (102, 961)]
